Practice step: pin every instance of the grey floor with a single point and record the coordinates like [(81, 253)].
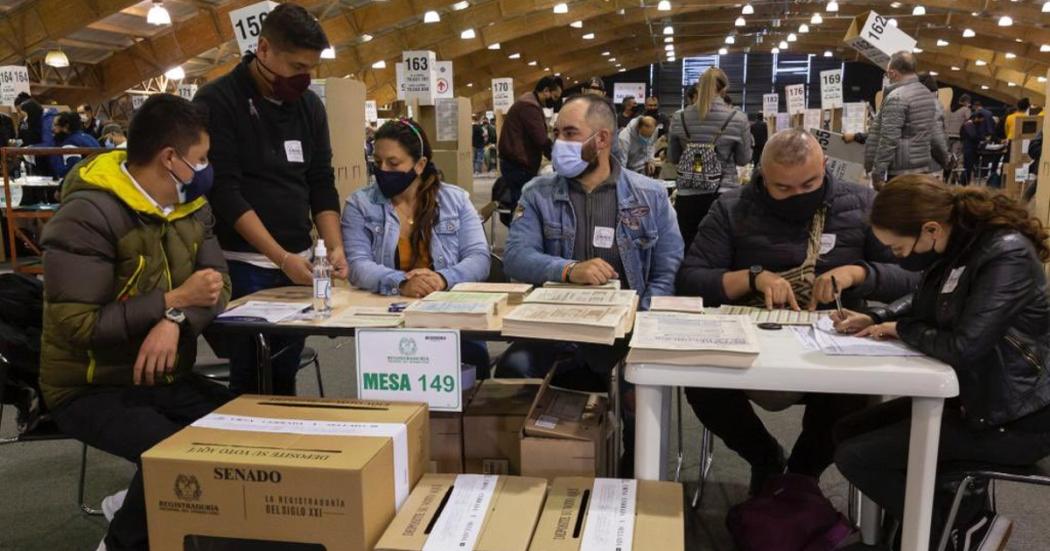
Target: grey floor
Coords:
[(38, 480)]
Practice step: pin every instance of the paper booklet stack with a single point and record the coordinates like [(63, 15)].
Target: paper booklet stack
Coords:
[(568, 322), (694, 340), (781, 316), (456, 310), (686, 305), (515, 291), (611, 284)]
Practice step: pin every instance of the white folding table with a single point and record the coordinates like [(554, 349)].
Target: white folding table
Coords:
[(785, 365)]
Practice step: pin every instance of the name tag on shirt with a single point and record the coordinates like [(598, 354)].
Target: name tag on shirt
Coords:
[(603, 237), (827, 242), (953, 280), (293, 149)]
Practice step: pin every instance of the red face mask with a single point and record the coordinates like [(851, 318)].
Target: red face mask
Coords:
[(287, 88)]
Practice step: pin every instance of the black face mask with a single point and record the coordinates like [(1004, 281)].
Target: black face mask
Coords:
[(61, 137), (394, 182), (652, 112), (920, 262), (550, 103), (797, 208)]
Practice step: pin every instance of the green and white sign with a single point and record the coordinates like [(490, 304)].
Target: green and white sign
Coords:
[(410, 365)]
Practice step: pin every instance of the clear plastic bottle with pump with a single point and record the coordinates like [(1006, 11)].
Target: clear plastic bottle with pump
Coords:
[(322, 282)]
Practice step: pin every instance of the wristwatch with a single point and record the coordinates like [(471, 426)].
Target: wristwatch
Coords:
[(752, 276), (176, 316)]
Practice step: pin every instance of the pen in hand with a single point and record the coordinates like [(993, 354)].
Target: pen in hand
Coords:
[(838, 297)]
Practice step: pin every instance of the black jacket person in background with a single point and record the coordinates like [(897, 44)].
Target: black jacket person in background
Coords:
[(273, 175)]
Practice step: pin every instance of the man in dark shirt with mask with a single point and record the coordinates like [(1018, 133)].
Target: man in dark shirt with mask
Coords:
[(273, 176), (652, 109), (524, 141), (781, 243)]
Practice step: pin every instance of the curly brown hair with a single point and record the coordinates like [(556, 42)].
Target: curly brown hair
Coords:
[(907, 202)]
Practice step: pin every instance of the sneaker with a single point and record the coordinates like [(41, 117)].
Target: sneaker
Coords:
[(988, 532), (112, 504)]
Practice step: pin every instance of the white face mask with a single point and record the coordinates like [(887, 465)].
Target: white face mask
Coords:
[(567, 157)]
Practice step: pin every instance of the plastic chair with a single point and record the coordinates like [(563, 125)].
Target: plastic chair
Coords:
[(971, 475), (45, 435), (220, 370)]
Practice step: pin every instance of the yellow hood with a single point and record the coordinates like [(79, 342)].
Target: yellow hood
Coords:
[(104, 172)]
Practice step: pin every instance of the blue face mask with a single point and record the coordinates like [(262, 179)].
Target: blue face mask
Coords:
[(109, 144), (199, 185), (567, 157)]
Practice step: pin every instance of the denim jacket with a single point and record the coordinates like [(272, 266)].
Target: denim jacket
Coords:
[(543, 232), (371, 230)]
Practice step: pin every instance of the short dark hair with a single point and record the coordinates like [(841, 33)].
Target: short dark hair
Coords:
[(627, 99), (164, 120), (600, 112), (965, 98), (21, 98), (70, 120), (903, 62), (290, 26), (1023, 104), (549, 83), (929, 81)]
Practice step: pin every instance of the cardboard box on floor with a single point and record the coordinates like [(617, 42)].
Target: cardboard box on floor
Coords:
[(285, 469), (344, 101), (446, 438), (438, 514), (492, 425), (567, 433), (658, 521)]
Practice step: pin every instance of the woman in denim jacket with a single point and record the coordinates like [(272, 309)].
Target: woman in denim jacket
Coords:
[(410, 233)]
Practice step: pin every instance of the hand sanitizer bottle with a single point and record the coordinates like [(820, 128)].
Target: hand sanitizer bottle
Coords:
[(322, 282)]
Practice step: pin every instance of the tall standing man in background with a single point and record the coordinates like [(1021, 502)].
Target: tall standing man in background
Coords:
[(273, 176)]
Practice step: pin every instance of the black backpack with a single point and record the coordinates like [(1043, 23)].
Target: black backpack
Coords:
[(21, 322)]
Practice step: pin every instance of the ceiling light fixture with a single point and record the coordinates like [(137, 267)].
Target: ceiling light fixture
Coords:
[(1046, 7), (669, 40), (832, 7), (664, 5), (612, 60), (730, 40), (893, 22), (576, 24), (561, 8), (981, 63), (158, 14), (1010, 84), (328, 53), (723, 51), (175, 73), (366, 37), (748, 9), (803, 28), (954, 68), (783, 45), (816, 19), (792, 37), (1044, 48), (895, 5), (460, 6), (968, 33), (515, 55), (934, 73), (1041, 79), (916, 50), (918, 10), (605, 53), (1006, 21), (495, 46), (827, 53), (668, 30), (942, 43), (984, 87), (468, 34), (1011, 55), (775, 51), (56, 58), (669, 48), (431, 17), (379, 64), (740, 21), (588, 36), (532, 64)]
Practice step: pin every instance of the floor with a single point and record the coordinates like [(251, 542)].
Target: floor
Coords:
[(38, 480)]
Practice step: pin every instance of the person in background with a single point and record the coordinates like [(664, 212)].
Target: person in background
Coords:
[(981, 308), (490, 145), (370, 147), (971, 138), (709, 121), (628, 112), (1023, 105), (637, 144), (652, 109), (91, 124), (938, 140), (787, 240), (987, 127), (68, 134), (594, 86), (759, 135), (132, 275), (905, 136), (274, 183), (523, 140), (30, 112), (412, 234), (959, 117), (478, 143), (113, 137)]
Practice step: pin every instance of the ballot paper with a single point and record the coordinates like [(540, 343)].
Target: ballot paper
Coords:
[(271, 312), (590, 297), (365, 316), (833, 343), (694, 339), (783, 317), (611, 284)]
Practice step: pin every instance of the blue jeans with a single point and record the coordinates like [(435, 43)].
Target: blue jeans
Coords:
[(285, 351), (479, 159)]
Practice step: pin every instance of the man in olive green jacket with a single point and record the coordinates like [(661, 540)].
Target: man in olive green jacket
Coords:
[(132, 275)]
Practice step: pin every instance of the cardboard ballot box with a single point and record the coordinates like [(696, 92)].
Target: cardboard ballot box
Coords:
[(285, 469), (604, 514), (567, 433), (446, 437), (872, 35), (477, 512), (492, 424)]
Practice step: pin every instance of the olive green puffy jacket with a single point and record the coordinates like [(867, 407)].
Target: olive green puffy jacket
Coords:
[(109, 256)]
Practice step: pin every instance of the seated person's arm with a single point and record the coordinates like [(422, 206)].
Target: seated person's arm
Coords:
[(705, 269), (474, 258), (209, 257), (524, 259), (365, 273)]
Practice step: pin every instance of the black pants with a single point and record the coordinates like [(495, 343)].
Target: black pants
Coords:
[(691, 211), (730, 416), (514, 177), (873, 451), (128, 421)]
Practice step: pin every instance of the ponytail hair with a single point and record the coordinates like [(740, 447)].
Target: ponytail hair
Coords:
[(908, 202), (712, 85), (410, 135)]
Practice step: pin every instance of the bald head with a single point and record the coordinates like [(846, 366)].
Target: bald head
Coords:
[(646, 126), (792, 163)]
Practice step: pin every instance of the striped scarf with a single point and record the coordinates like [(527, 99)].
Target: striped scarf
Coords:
[(801, 277)]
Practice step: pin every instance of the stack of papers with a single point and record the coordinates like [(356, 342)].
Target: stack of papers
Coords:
[(783, 317), (613, 284), (515, 291), (455, 310), (588, 297), (687, 305), (694, 340), (822, 337), (270, 312), (568, 322), (365, 316)]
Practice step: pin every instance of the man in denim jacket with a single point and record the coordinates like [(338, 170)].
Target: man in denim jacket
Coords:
[(591, 222)]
